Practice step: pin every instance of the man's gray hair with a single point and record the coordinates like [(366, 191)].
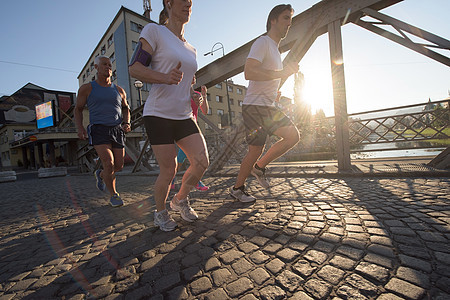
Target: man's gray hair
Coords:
[(97, 59)]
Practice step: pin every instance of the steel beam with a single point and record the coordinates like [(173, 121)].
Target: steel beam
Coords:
[(327, 11)]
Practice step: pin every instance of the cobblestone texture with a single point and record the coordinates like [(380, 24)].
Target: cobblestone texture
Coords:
[(306, 238)]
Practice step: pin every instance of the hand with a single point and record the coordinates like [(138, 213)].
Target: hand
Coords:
[(175, 75), (197, 99), (82, 134), (204, 92), (126, 127)]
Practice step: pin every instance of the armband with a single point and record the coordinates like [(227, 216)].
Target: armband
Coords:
[(141, 56)]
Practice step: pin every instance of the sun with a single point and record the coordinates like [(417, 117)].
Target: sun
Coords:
[(315, 89)]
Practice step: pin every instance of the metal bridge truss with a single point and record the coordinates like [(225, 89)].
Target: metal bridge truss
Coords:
[(326, 16)]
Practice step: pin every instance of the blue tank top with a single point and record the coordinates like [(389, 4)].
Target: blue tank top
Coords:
[(105, 105)]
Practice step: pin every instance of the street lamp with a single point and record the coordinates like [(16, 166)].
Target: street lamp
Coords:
[(138, 84), (226, 81)]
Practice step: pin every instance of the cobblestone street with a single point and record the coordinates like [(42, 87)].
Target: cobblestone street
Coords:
[(306, 238)]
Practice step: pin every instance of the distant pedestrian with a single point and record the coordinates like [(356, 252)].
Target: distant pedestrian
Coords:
[(166, 60), (264, 70), (109, 120)]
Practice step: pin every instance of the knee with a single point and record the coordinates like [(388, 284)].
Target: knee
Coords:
[(167, 173), (108, 166), (201, 163), (118, 167), (294, 137)]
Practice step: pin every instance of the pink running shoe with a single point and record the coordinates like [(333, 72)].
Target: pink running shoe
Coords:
[(201, 187)]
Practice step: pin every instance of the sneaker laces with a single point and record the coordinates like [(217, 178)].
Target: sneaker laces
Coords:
[(242, 189)]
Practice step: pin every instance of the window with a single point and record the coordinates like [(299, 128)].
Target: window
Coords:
[(220, 112), (231, 101), (209, 111), (239, 102), (239, 91), (208, 96), (84, 77), (219, 99), (133, 45), (232, 114), (110, 40), (93, 78), (113, 57), (103, 51), (136, 27), (88, 72), (91, 67), (230, 88), (219, 85)]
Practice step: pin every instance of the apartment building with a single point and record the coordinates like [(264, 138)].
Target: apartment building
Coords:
[(118, 43), (219, 111)]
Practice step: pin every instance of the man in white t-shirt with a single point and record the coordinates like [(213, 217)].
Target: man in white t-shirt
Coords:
[(264, 70)]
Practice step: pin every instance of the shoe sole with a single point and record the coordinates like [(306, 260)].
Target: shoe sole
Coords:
[(241, 200), (104, 186), (183, 217), (264, 185), (116, 205), (166, 229)]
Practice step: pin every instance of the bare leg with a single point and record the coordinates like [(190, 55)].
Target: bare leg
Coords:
[(106, 155), (194, 146), (254, 152), (289, 138), (166, 157)]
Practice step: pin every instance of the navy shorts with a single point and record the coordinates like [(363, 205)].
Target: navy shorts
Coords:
[(106, 135), (162, 131), (261, 122)]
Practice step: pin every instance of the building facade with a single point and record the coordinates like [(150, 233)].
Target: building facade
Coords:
[(22, 143), (118, 43)]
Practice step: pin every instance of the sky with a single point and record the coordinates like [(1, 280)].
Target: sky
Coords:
[(47, 43)]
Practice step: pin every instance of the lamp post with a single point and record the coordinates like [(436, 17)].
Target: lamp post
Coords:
[(138, 84), (226, 81)]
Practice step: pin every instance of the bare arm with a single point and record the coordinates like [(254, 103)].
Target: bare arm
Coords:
[(126, 126), (141, 72), (205, 106), (253, 70), (83, 93)]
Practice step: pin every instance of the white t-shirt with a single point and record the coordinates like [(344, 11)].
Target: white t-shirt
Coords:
[(264, 93), (169, 101)]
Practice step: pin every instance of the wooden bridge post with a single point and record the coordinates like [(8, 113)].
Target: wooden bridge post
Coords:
[(339, 95)]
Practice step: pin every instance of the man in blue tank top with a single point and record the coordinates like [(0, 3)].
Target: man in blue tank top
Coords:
[(109, 120)]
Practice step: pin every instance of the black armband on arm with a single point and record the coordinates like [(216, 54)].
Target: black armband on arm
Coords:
[(141, 56)]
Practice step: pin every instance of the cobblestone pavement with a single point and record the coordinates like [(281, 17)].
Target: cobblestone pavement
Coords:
[(306, 238)]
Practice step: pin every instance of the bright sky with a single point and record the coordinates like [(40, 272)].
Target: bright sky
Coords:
[(59, 36)]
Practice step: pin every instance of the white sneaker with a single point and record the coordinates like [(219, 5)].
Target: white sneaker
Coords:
[(261, 177), (164, 221), (241, 195), (186, 211)]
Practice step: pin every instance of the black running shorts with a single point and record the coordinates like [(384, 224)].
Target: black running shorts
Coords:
[(161, 131), (261, 122), (106, 135)]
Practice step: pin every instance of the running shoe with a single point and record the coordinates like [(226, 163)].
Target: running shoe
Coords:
[(115, 200), (164, 220), (260, 174), (100, 183), (241, 195), (201, 187), (186, 211)]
